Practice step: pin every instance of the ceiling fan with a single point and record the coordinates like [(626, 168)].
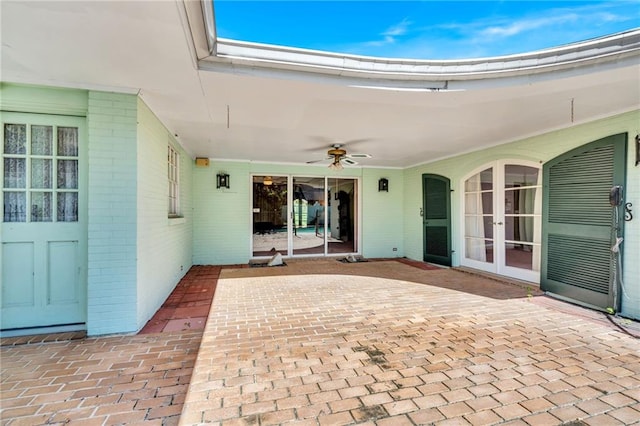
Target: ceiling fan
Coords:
[(339, 155)]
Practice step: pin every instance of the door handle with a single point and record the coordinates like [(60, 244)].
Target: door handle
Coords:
[(497, 223)]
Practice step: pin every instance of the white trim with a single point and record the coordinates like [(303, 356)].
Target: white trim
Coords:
[(239, 57)]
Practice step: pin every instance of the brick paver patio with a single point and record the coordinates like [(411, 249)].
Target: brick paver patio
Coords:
[(321, 342), (319, 349)]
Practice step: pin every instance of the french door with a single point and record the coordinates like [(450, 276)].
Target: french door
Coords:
[(502, 219), (304, 216)]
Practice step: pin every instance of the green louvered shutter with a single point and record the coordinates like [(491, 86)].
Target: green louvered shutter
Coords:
[(436, 219), (578, 219)]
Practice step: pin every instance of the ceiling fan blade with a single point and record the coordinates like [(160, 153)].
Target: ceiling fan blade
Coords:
[(317, 161), (349, 161), (358, 155)]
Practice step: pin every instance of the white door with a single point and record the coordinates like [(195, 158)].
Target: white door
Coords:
[(44, 249), (502, 219)]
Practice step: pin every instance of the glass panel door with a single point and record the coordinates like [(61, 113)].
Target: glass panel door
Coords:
[(342, 230), (478, 217), (502, 220), (308, 215), (270, 216), (522, 221)]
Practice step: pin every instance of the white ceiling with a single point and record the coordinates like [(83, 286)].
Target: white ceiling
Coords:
[(146, 47)]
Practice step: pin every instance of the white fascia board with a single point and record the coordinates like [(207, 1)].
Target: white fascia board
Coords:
[(284, 62)]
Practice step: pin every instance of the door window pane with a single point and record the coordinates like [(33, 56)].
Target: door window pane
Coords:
[(518, 228), (67, 174), (15, 207), (15, 139), (41, 140), (342, 216), (521, 201), (482, 181), (41, 207), (517, 175), (270, 218), (478, 226), (309, 215), (68, 141), (519, 255), (480, 250), (15, 173), (41, 172), (67, 207)]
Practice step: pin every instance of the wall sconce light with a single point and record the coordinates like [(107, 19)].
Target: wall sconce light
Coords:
[(383, 185), (222, 180), (637, 149)]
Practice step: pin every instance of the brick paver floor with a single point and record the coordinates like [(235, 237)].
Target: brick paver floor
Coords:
[(321, 342), (98, 381), (384, 343)]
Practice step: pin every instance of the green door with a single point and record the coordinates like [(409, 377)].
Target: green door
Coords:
[(436, 219), (579, 223), (44, 248)]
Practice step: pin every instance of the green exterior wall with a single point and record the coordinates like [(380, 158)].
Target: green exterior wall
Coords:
[(164, 246), (112, 274), (222, 217), (135, 254), (539, 149)]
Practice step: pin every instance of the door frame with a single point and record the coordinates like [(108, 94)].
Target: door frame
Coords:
[(290, 198), (498, 266)]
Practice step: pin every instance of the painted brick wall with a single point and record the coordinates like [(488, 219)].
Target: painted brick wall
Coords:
[(111, 120), (222, 217), (382, 222), (540, 149), (164, 250)]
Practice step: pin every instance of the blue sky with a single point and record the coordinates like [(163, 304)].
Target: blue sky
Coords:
[(423, 29)]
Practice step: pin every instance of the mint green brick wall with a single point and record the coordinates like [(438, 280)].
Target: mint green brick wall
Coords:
[(383, 224), (112, 228), (222, 217), (43, 100), (539, 149), (164, 249)]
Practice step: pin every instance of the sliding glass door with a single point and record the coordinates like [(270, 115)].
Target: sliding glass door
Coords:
[(270, 216), (309, 199), (304, 216)]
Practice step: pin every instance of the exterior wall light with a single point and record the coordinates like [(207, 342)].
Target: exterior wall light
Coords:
[(383, 185), (222, 180)]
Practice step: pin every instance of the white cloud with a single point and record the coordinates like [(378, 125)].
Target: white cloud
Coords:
[(398, 29), (501, 35), (391, 34)]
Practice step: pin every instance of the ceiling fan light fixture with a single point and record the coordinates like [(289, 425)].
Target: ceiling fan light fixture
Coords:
[(336, 166)]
